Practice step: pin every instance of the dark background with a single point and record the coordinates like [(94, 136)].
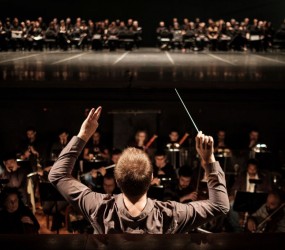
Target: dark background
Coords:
[(148, 13)]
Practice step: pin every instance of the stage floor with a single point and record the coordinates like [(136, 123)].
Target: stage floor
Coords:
[(146, 68)]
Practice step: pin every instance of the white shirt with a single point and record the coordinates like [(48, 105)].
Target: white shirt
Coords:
[(250, 187)]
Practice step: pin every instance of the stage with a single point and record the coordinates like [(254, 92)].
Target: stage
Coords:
[(233, 90), (146, 68)]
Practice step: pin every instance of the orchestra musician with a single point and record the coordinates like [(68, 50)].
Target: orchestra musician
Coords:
[(96, 149), (59, 144), (95, 177), (16, 176), (15, 217), (182, 190), (63, 40), (140, 139), (246, 182), (163, 171), (270, 217)]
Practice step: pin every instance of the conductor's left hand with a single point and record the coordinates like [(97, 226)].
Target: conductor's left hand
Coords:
[(90, 124)]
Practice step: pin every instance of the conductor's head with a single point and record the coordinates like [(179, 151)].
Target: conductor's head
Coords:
[(133, 173)]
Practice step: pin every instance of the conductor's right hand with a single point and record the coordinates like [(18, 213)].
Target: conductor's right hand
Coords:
[(205, 148), (90, 124)]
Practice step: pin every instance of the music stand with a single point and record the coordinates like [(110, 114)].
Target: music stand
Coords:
[(249, 202), (49, 193)]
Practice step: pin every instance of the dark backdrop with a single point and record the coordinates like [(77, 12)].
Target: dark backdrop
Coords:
[(148, 13)]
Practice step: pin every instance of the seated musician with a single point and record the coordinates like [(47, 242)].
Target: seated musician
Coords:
[(254, 36), (83, 40), (201, 38), (164, 36), (59, 144), (95, 178), (173, 137), (137, 31), (63, 40), (163, 172), (189, 33), (95, 149), (270, 217), (132, 211), (109, 185), (76, 32), (98, 38), (15, 217), (51, 35), (31, 148), (36, 37), (226, 35), (182, 190), (245, 182), (221, 145), (16, 176), (140, 139), (213, 35), (16, 35), (112, 34), (177, 36)]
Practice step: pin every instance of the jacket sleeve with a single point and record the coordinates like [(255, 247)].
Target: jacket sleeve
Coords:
[(71, 189), (199, 212)]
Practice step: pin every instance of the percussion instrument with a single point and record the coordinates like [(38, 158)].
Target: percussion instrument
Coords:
[(260, 148)]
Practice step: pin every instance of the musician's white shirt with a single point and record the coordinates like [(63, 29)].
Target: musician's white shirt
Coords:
[(250, 187)]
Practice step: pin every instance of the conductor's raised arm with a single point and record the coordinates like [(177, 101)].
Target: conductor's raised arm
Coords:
[(90, 124), (60, 175)]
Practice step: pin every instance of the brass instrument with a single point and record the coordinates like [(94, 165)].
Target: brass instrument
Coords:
[(183, 139), (152, 139)]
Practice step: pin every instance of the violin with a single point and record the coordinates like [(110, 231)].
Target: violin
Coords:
[(262, 225)]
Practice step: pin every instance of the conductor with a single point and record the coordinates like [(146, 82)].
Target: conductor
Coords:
[(132, 211)]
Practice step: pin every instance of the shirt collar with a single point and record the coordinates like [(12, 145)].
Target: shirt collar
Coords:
[(124, 211)]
